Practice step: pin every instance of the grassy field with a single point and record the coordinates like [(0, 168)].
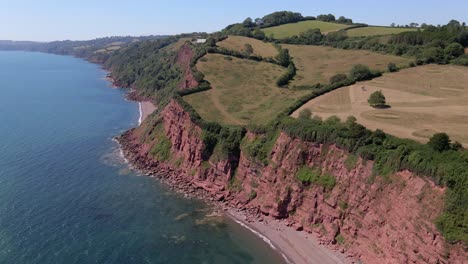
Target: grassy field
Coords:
[(260, 48), (376, 31), (316, 64), (244, 91), (289, 30), (423, 101)]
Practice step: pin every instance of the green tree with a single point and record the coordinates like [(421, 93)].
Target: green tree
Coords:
[(440, 142), (258, 34), (454, 50), (361, 72), (248, 48), (283, 57), (377, 99)]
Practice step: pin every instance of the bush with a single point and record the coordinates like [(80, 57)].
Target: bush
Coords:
[(338, 78), (376, 99), (440, 142), (392, 67), (361, 72), (305, 114)]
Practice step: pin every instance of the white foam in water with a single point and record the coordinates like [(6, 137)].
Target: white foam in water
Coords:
[(264, 238), (141, 114)]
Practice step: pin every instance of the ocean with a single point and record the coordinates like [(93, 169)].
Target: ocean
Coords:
[(66, 193)]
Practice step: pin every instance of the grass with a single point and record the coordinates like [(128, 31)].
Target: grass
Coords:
[(244, 91), (292, 29), (423, 101), (308, 175), (260, 48), (316, 64), (376, 31)]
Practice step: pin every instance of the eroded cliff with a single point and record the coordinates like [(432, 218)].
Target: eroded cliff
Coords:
[(370, 217)]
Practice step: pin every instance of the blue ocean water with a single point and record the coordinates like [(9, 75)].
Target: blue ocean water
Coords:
[(65, 194)]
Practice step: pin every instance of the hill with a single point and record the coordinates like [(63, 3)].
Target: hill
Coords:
[(260, 48), (289, 30), (423, 101), (316, 64)]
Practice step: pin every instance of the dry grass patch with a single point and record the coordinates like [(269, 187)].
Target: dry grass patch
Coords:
[(376, 31), (293, 29), (424, 100), (244, 91), (316, 64), (260, 48)]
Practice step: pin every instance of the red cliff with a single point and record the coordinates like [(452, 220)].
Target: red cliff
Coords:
[(371, 218)]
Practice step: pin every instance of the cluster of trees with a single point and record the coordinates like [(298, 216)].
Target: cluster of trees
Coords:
[(331, 18), (284, 59)]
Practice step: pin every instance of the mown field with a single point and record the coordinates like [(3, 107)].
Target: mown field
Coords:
[(423, 101), (244, 91), (260, 48), (316, 64), (376, 31), (289, 30)]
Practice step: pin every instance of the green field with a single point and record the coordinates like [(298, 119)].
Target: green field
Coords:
[(376, 31), (316, 64), (260, 48), (289, 30), (244, 91)]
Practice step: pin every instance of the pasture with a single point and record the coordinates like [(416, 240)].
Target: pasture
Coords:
[(376, 31), (293, 29), (244, 91), (423, 101), (260, 48), (316, 64)]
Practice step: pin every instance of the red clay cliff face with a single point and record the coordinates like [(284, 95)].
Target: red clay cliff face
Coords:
[(184, 58), (372, 219)]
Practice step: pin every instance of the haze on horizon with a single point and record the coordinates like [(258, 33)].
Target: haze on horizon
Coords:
[(50, 20)]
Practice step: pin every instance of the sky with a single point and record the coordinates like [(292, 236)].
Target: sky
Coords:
[(47, 20)]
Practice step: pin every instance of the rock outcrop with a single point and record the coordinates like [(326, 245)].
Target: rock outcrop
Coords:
[(184, 57), (371, 218)]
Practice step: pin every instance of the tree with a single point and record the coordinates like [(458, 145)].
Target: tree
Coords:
[(248, 23), (283, 57), (392, 67), (305, 114), (361, 72), (454, 50), (376, 99), (338, 78), (392, 25), (248, 48), (258, 34), (440, 142)]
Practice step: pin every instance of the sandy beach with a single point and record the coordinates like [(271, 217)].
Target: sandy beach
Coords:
[(146, 108), (295, 246)]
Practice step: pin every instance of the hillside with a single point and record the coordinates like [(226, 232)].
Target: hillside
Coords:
[(223, 130), (289, 30)]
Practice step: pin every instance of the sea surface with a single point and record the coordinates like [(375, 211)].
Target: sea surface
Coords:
[(66, 194)]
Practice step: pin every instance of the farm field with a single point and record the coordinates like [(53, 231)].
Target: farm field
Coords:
[(244, 91), (423, 101), (260, 48), (316, 64), (292, 29), (376, 31)]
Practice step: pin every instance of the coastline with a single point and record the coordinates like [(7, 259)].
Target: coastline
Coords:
[(293, 246)]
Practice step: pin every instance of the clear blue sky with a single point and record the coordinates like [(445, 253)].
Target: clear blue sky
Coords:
[(45, 20)]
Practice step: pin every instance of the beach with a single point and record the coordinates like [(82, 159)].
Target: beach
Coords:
[(295, 246), (146, 108)]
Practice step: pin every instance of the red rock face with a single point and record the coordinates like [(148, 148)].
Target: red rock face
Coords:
[(183, 60), (373, 219)]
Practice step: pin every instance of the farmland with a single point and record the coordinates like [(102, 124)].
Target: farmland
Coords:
[(292, 29), (376, 31), (423, 101), (237, 43), (244, 91), (316, 64)]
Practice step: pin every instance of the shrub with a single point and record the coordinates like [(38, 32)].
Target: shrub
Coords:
[(377, 99), (361, 72), (305, 114), (440, 142), (308, 175), (338, 78), (392, 67)]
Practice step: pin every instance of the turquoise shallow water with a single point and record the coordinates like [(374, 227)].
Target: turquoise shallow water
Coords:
[(65, 194)]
